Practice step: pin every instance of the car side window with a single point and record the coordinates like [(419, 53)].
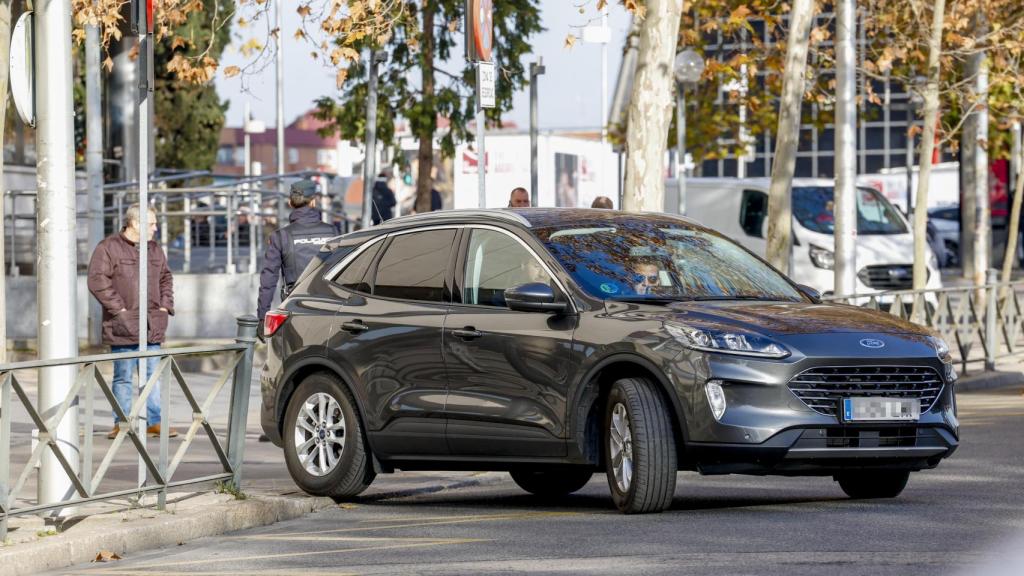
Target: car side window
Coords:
[(494, 263), (353, 277), (415, 265), (753, 211)]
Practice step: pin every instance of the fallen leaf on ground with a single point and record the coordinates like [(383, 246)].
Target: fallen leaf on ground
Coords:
[(106, 556)]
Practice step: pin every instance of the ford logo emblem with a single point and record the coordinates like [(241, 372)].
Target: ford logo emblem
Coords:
[(872, 343)]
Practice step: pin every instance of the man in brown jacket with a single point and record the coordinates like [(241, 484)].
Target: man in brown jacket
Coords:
[(114, 282)]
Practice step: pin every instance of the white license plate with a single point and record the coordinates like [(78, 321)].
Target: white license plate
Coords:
[(881, 409)]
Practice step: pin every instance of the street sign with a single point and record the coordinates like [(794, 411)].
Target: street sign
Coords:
[(22, 67), (479, 30), (485, 83)]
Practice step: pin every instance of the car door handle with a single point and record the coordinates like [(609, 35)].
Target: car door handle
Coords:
[(468, 333), (354, 327)]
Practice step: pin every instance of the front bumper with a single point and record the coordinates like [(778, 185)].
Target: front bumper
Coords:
[(768, 429)]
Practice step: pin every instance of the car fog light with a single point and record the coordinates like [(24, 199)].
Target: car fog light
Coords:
[(716, 397)]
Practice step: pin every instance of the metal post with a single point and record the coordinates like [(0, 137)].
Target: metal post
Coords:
[(55, 240), (910, 154), (229, 203), (94, 162), (279, 61), (146, 73), (165, 426), (481, 154), (370, 158), (187, 200), (252, 231), (164, 235), (991, 320), (3, 293), (240, 397), (681, 146), (845, 274), (604, 83), (536, 69), (5, 450)]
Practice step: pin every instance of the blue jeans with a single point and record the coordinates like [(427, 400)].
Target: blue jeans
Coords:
[(125, 372)]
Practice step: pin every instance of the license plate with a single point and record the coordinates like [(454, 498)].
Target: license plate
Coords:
[(881, 409)]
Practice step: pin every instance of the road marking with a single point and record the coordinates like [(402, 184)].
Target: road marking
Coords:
[(436, 521)]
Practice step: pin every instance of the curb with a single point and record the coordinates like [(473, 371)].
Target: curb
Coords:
[(989, 380), (165, 530)]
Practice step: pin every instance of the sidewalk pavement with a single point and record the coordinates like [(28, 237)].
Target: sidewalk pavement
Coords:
[(128, 526)]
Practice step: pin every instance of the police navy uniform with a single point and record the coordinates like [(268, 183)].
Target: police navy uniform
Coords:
[(290, 249)]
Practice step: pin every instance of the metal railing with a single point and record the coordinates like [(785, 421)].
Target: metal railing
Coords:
[(234, 204), (87, 483), (980, 323)]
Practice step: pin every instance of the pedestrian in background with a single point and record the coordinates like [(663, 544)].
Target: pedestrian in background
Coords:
[(602, 202), (114, 282), (292, 247), (519, 198), (383, 199)]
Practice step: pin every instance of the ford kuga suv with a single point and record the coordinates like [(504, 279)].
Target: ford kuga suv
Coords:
[(556, 343)]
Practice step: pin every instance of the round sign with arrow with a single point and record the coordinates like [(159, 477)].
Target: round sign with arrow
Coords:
[(483, 28)]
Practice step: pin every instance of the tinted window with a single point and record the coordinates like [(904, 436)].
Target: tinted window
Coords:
[(753, 211), (649, 258), (353, 277), (813, 207), (414, 266), (494, 262)]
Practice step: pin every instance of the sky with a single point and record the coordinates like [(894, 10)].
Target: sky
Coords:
[(569, 92)]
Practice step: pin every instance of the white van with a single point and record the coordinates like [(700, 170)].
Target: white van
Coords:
[(738, 208)]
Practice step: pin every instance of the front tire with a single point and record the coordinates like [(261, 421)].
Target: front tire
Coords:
[(639, 447), (554, 483), (873, 484), (324, 445)]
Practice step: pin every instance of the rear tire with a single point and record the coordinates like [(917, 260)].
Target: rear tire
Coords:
[(639, 447), (554, 483), (324, 445), (873, 484)]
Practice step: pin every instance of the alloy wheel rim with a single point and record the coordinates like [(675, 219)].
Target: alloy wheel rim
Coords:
[(620, 439), (320, 433)]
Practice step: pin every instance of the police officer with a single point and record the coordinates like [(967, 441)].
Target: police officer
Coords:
[(292, 247)]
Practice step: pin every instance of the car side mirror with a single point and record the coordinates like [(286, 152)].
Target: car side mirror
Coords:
[(533, 297), (811, 293)]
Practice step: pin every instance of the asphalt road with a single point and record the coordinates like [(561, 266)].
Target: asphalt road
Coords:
[(965, 517)]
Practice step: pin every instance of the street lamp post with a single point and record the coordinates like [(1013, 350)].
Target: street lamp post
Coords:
[(688, 68)]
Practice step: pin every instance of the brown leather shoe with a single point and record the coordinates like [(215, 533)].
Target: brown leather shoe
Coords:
[(113, 432), (154, 432)]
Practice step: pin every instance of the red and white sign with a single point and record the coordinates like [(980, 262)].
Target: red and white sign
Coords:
[(481, 28)]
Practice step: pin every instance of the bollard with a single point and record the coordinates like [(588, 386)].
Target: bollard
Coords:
[(240, 397), (991, 320)]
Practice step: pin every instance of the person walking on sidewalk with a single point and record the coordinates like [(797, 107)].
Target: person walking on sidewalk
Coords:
[(114, 282), (292, 247)]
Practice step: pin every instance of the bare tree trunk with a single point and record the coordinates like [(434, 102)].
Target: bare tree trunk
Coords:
[(1011, 240), (780, 219), (425, 132), (650, 107), (845, 232), (931, 115), (982, 213), (5, 51)]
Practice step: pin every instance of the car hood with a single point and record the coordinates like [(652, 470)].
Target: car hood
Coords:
[(779, 319)]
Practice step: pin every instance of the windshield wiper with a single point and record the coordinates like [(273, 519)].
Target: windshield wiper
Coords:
[(650, 299), (736, 297)]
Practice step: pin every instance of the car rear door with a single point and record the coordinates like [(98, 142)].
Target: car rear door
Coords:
[(388, 335)]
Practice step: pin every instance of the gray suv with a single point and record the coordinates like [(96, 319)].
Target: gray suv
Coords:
[(555, 343)]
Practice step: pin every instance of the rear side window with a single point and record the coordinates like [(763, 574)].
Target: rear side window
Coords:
[(353, 277), (753, 211), (414, 266)]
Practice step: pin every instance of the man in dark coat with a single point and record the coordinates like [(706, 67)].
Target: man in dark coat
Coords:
[(292, 247), (114, 282), (383, 199)]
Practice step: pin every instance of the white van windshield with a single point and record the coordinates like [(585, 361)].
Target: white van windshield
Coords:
[(813, 207)]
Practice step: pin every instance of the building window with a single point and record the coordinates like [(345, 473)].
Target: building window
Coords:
[(326, 157), (226, 155), (293, 155)]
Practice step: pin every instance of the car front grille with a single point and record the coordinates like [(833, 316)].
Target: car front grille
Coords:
[(887, 276), (823, 388)]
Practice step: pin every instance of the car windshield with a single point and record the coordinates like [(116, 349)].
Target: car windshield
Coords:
[(813, 207), (661, 259)]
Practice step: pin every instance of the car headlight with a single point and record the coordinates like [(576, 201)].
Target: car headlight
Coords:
[(941, 349), (724, 342), (822, 258)]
